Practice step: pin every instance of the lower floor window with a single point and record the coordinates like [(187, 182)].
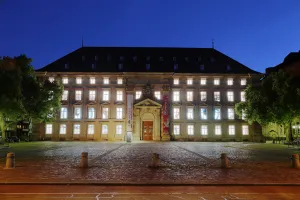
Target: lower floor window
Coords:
[(63, 129), (119, 129), (91, 129), (76, 130), (190, 129), (231, 130), (204, 130), (49, 128), (245, 130), (218, 130), (104, 129), (176, 129)]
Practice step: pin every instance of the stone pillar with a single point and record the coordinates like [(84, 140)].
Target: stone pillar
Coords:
[(165, 113), (224, 161), (84, 160), (10, 160)]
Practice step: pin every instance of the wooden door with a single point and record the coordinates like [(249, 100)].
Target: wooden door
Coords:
[(147, 130)]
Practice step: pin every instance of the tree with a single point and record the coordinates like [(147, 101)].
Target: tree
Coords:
[(275, 100), (23, 96)]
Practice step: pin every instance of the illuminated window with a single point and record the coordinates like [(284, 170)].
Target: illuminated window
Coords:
[(245, 130), (65, 95), (189, 95), (119, 129), (138, 94), (105, 96), (204, 130), (217, 113), (51, 79), (91, 129), (203, 113), (104, 113), (49, 128), (106, 80), (65, 80), (92, 80), (231, 130), (64, 113), (190, 113), (78, 80), (77, 113), (176, 81), (243, 97), (216, 81), (78, 95), (203, 81), (230, 81), (119, 95), (189, 81), (92, 95), (230, 112), (63, 129), (157, 95), (176, 95), (203, 96), (190, 129), (119, 113), (76, 129), (104, 129), (176, 113), (176, 129), (217, 96), (243, 81), (218, 130), (91, 113), (230, 96), (119, 81)]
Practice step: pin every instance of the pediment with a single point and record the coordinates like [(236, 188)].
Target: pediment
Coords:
[(148, 103)]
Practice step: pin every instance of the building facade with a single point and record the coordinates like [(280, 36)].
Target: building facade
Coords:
[(132, 93)]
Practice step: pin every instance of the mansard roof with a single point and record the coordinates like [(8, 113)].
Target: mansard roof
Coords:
[(147, 59)]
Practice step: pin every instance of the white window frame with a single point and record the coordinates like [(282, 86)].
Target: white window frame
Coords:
[(218, 129), (231, 130), (138, 94), (203, 96), (243, 81), (157, 95), (190, 95), (243, 96), (229, 81), (105, 113), (190, 129), (65, 95), (230, 113), (105, 80), (119, 95), (176, 81), (78, 95), (176, 113), (119, 113), (203, 81), (78, 80), (104, 129), (230, 96), (217, 96), (62, 129), (48, 129), (189, 81), (92, 95), (190, 113), (92, 80), (203, 116), (76, 129), (91, 129), (119, 81), (105, 95), (65, 80), (63, 113), (204, 130), (79, 114), (176, 96), (217, 117), (216, 81), (119, 129), (245, 130), (91, 113), (176, 129)]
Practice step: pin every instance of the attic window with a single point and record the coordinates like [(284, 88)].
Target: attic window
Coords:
[(212, 60), (96, 58), (121, 58), (148, 58), (108, 58), (134, 58), (175, 66), (93, 66), (187, 59), (228, 68), (147, 66), (161, 58), (174, 59), (66, 66), (199, 58), (120, 66), (83, 58), (202, 67)]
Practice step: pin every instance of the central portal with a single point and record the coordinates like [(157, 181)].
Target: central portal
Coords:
[(147, 130)]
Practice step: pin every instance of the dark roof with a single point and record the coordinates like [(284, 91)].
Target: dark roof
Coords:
[(137, 59), (288, 60)]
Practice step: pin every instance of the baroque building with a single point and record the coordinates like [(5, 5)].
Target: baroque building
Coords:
[(136, 93)]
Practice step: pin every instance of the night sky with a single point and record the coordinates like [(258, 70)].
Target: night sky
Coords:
[(257, 33)]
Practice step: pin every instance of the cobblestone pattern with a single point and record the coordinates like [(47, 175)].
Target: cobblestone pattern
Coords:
[(181, 162)]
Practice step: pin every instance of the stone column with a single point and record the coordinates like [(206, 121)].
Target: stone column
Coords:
[(165, 113)]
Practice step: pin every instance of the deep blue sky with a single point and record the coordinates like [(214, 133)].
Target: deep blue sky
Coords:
[(257, 33)]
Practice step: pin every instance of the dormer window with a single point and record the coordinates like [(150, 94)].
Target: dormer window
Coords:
[(106, 80), (120, 66), (202, 67), (147, 66), (199, 58), (96, 58), (66, 66), (148, 58), (228, 68), (161, 59), (174, 59), (51, 79), (121, 58), (93, 66), (78, 80), (175, 66), (65, 80), (108, 57), (83, 58), (187, 59), (212, 60), (134, 58)]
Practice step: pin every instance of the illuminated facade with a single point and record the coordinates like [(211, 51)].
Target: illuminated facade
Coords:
[(111, 93)]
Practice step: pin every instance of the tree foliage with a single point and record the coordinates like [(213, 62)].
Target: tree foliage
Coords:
[(275, 100), (23, 96)]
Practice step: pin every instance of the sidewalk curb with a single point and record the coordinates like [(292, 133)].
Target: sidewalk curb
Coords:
[(149, 184)]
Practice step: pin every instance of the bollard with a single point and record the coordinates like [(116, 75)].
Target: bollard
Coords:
[(224, 161), (10, 160), (155, 160), (295, 161), (84, 160)]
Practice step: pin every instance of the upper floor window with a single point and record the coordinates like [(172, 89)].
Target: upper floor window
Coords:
[(203, 96), (230, 81), (51, 79), (65, 95), (78, 80), (78, 95), (243, 81), (190, 113), (77, 113), (231, 130), (230, 96), (92, 80), (245, 130), (203, 113), (157, 95), (230, 113), (217, 113), (218, 130), (91, 113), (64, 113), (119, 129), (204, 130), (189, 95), (176, 81), (92, 95), (119, 81), (91, 129), (106, 80), (119, 113), (49, 128), (216, 81), (203, 81), (65, 80), (190, 129), (243, 97), (176, 96), (105, 96), (104, 113), (176, 113), (176, 129), (119, 95), (138, 94), (189, 81), (217, 96)]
